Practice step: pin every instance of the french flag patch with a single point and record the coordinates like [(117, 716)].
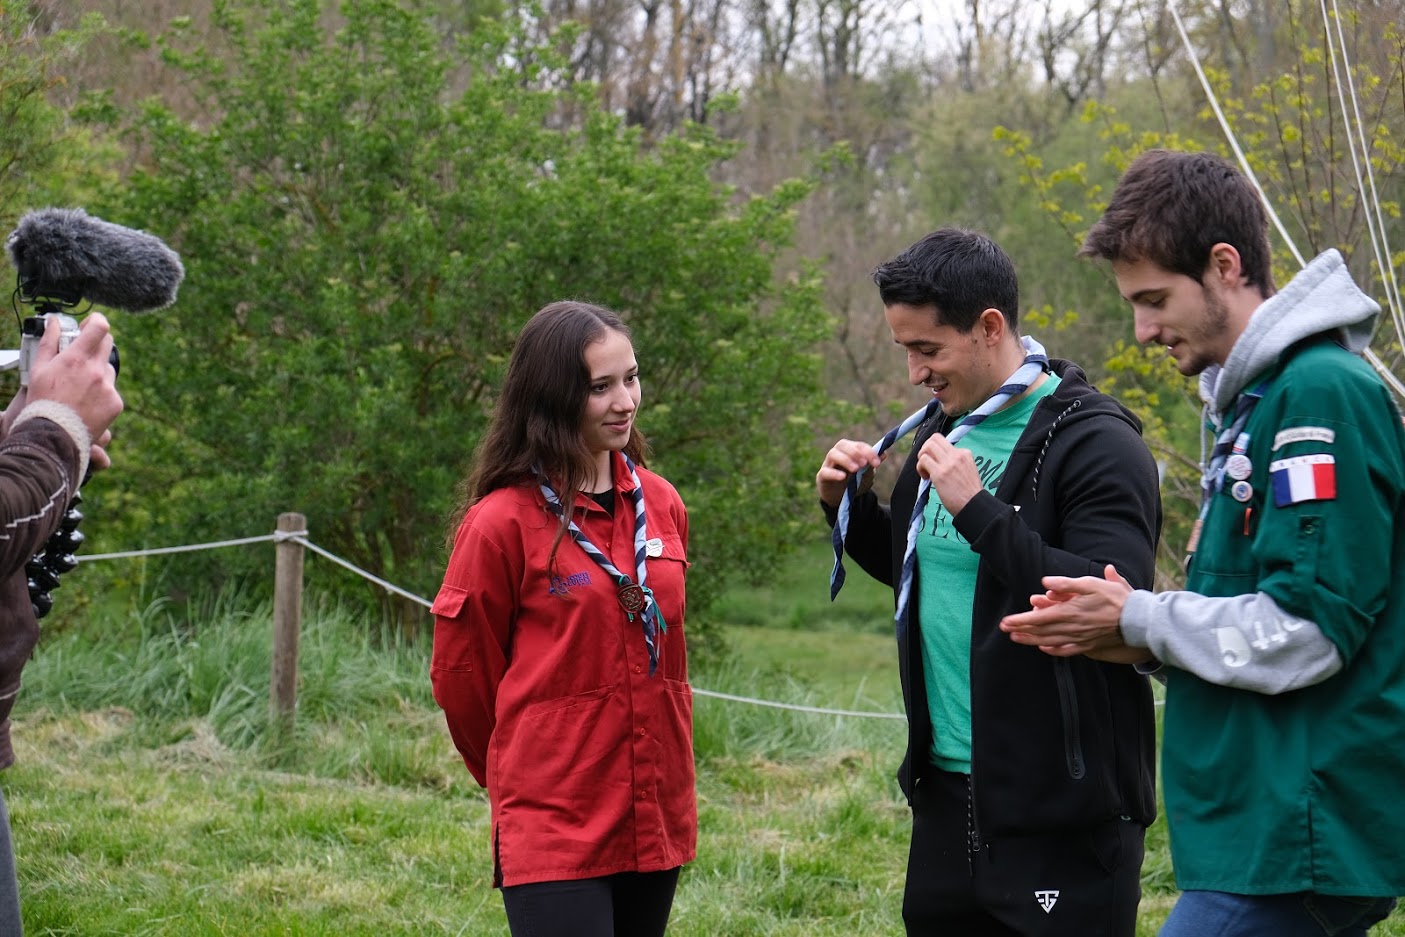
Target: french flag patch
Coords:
[(1303, 478)]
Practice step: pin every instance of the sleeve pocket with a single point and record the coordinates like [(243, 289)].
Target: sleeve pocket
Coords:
[(449, 602), (1305, 557), (673, 550)]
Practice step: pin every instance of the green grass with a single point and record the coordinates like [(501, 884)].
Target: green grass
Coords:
[(150, 799), (191, 838)]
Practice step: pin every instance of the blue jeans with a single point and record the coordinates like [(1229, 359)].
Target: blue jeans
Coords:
[(1302, 914)]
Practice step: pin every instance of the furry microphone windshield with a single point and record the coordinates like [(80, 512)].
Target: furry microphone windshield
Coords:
[(65, 255)]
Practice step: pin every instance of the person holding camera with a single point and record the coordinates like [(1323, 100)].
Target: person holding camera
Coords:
[(559, 656), (51, 433)]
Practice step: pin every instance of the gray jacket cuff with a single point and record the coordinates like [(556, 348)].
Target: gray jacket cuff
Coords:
[(1137, 613)]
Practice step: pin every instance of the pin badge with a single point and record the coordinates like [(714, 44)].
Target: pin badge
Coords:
[(1238, 466), (1241, 491), (631, 597), (653, 547)]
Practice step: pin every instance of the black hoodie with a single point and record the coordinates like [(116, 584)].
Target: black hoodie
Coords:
[(1056, 743)]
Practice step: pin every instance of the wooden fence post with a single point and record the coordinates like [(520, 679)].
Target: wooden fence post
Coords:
[(287, 621)]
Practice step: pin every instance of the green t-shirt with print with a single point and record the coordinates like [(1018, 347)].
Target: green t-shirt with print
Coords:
[(947, 566)]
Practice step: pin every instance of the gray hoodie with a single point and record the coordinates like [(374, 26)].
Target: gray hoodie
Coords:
[(1186, 629), (1321, 297)]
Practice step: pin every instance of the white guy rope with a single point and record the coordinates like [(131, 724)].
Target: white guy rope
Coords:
[(1375, 221), (1370, 355), (389, 587), (795, 708), (1385, 372), (696, 691), (1229, 135), (189, 548), (300, 536)]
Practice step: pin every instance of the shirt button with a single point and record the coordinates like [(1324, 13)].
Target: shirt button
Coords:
[(641, 733), (638, 669)]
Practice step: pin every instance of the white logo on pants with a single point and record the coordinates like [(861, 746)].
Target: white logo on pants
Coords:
[(1046, 899)]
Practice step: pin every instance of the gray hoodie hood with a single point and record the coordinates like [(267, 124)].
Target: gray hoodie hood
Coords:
[(1321, 298)]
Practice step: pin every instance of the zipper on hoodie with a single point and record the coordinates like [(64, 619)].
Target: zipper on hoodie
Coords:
[(973, 830), (1068, 705), (973, 833)]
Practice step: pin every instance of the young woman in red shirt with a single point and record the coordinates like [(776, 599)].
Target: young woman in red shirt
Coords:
[(559, 656)]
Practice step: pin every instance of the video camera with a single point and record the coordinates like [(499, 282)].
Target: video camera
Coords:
[(63, 257)]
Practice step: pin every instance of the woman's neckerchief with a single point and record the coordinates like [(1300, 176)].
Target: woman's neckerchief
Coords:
[(634, 596)]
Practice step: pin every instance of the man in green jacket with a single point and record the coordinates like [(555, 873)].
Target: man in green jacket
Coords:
[(1283, 755)]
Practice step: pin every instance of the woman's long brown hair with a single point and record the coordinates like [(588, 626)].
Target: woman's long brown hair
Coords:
[(537, 421)]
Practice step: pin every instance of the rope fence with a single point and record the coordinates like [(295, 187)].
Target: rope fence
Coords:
[(292, 538)]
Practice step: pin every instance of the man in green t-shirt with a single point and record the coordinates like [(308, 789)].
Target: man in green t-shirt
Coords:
[(1283, 758), (1030, 777)]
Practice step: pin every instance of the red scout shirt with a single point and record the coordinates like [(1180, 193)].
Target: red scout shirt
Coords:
[(588, 760)]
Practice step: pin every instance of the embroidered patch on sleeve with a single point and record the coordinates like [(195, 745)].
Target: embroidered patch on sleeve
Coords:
[(1304, 434), (1303, 478)]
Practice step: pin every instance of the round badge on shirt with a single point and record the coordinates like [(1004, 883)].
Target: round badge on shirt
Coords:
[(1238, 467)]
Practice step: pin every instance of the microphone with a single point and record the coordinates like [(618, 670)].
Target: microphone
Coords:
[(64, 255)]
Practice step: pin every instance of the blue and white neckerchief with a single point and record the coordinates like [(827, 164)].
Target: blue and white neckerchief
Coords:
[(1034, 363), (634, 596), (851, 491), (1034, 354), (1231, 439)]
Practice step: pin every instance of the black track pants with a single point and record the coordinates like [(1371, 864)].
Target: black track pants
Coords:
[(1077, 883)]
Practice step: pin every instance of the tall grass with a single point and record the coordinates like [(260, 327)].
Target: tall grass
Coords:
[(150, 800), (151, 797), (364, 706)]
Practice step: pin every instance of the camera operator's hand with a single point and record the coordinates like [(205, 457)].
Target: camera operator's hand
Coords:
[(80, 377), (7, 418), (98, 458)]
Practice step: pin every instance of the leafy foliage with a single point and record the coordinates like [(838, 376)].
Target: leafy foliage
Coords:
[(367, 218), (1143, 379), (32, 131), (1290, 126)]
